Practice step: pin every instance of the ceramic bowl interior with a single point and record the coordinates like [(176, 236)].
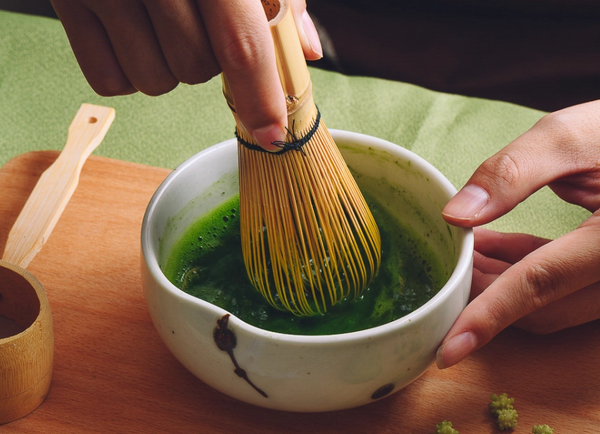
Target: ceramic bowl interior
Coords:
[(306, 373)]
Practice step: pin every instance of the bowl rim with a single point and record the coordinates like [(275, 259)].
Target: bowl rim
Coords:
[(463, 265)]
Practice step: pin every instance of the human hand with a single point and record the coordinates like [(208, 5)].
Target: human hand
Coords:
[(537, 284), (152, 45)]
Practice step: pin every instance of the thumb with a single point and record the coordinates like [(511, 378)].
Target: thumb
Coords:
[(495, 188), (504, 180), (559, 145)]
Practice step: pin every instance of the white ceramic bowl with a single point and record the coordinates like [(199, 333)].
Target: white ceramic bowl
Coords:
[(306, 373)]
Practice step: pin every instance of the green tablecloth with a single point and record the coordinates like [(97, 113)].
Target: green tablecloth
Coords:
[(41, 88)]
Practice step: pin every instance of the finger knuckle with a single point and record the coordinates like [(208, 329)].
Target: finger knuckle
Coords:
[(156, 85), (574, 137), (242, 54), (195, 72), (110, 87), (544, 282), (560, 125), (502, 169)]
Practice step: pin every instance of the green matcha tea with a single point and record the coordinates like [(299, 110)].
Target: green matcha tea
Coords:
[(207, 263)]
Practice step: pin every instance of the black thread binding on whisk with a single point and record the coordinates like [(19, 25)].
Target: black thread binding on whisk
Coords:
[(295, 145)]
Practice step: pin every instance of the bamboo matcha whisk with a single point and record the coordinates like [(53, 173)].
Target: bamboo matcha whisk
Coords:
[(309, 239)]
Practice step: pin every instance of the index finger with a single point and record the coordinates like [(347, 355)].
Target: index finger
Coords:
[(242, 43)]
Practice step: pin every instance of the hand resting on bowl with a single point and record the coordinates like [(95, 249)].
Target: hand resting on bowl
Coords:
[(539, 285)]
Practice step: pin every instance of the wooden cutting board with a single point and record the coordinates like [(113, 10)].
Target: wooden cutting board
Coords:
[(113, 374)]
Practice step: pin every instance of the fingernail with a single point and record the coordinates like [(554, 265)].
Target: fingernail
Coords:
[(265, 137), (311, 34), (467, 203), (456, 349)]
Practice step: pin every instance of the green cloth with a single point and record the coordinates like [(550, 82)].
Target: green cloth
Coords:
[(42, 87)]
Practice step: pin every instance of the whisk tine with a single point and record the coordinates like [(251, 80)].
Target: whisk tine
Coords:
[(309, 239)]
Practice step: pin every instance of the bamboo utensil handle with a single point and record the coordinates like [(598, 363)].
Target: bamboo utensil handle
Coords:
[(293, 70), (56, 185), (292, 67)]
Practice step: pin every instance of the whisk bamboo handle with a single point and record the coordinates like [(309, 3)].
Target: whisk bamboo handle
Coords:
[(293, 71), (56, 185), (291, 64)]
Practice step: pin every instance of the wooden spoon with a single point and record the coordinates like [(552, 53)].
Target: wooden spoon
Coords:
[(26, 358)]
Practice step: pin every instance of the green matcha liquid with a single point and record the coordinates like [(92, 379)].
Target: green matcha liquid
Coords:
[(207, 263)]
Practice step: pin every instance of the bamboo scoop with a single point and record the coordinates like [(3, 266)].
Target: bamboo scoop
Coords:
[(26, 358), (308, 237)]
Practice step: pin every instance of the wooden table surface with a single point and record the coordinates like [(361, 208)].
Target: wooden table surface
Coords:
[(113, 374)]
